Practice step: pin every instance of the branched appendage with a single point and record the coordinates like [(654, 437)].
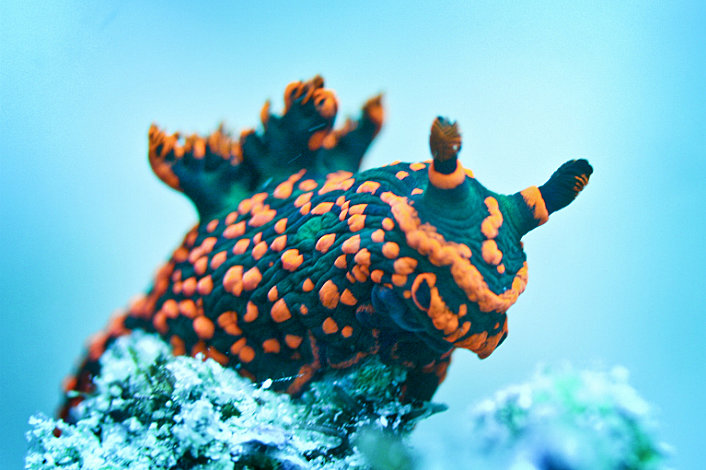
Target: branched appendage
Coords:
[(205, 169), (173, 158), (217, 171), (343, 148)]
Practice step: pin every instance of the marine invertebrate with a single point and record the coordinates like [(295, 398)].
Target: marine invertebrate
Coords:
[(298, 264)]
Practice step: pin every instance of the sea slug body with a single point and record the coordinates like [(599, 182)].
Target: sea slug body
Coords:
[(300, 262)]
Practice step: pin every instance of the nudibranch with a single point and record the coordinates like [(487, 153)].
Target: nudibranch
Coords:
[(300, 263)]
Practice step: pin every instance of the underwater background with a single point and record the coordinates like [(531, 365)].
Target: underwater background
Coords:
[(617, 280)]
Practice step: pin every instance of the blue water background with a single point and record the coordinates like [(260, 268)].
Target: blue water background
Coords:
[(617, 278)]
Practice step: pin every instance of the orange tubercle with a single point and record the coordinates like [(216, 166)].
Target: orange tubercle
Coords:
[(325, 242), (291, 260), (329, 295), (329, 326)]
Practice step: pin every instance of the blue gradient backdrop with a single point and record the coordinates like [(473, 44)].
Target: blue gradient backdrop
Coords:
[(615, 279)]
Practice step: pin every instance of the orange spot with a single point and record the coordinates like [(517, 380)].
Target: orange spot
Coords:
[(232, 217), (188, 287), (416, 191), (178, 348), (328, 294), (229, 322), (208, 244), (280, 311), (205, 285), (356, 222), (352, 245), (322, 208), (246, 354), (237, 346), (501, 268), (462, 310), (357, 208), (159, 321), (272, 294), (235, 230), (376, 276), (190, 238), (363, 257), (450, 181), (347, 298), (270, 346), (390, 250), (399, 279), (241, 246), (246, 205), (283, 190), (259, 250), (388, 224), (308, 285), (400, 175), (302, 199), (291, 260), (350, 278), (262, 217), (203, 327), (368, 187), (212, 225), (308, 185), (279, 243), (201, 265), (534, 200), (176, 275), (491, 253), (281, 225), (340, 262), (405, 265), (325, 242), (251, 278), (180, 254), (329, 186), (257, 238), (251, 312), (293, 341), (218, 259), (347, 331), (217, 356), (233, 280), (188, 308), (316, 139), (407, 294), (492, 223), (329, 326), (378, 236), (304, 210), (360, 273), (170, 308), (417, 166)]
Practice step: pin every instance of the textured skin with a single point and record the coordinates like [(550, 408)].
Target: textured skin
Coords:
[(315, 270)]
